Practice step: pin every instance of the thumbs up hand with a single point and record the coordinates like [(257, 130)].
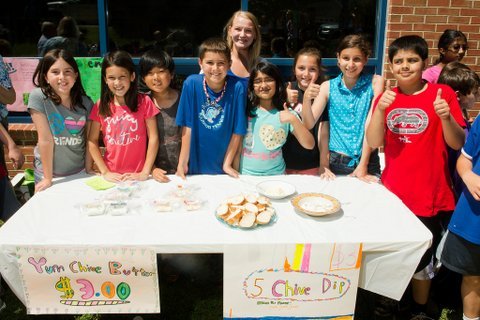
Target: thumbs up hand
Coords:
[(387, 98), (292, 95), (442, 109)]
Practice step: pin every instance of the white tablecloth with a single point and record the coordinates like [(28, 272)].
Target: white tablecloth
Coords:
[(393, 238)]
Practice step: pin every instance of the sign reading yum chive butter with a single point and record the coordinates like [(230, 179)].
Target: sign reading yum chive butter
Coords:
[(60, 280), (291, 280)]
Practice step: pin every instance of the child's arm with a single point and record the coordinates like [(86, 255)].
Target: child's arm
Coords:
[(160, 175), (230, 155), (361, 171), (311, 112), (238, 155), (472, 180), (182, 167), (303, 135), (376, 127), (324, 137), (452, 131), (45, 148), (88, 155), (7, 96), (14, 152), (152, 149), (93, 136)]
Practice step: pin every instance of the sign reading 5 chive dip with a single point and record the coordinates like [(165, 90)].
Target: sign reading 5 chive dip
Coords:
[(316, 204)]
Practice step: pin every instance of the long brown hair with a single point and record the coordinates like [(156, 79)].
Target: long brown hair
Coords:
[(124, 60), (40, 77)]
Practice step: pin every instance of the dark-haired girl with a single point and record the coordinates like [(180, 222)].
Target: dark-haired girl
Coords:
[(127, 121), (269, 123), (59, 108)]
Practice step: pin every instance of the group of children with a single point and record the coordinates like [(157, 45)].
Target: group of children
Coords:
[(220, 123)]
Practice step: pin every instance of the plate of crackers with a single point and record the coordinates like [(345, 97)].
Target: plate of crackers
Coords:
[(316, 204), (246, 211)]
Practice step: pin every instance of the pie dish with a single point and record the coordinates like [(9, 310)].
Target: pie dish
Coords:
[(316, 204)]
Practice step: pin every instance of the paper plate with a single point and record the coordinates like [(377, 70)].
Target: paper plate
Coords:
[(316, 204), (275, 189)]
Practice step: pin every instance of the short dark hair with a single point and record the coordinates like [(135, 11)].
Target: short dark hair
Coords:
[(459, 77), (409, 43), (155, 58), (217, 45)]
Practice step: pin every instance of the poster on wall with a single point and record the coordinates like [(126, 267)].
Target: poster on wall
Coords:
[(21, 72), (62, 280), (90, 72), (285, 281)]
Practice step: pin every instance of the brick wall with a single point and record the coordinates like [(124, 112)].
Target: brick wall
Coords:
[(429, 18)]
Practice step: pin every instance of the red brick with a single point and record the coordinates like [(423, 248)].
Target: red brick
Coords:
[(449, 11), (470, 12), (416, 3), (443, 27), (470, 28), (401, 27), (415, 18), (395, 18), (439, 3), (469, 60), (475, 20), (396, 2), (436, 19), (424, 27), (401, 10), (457, 19), (425, 11), (432, 35), (473, 52), (461, 3)]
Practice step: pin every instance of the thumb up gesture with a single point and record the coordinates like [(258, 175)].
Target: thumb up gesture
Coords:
[(442, 109), (387, 98), (292, 94)]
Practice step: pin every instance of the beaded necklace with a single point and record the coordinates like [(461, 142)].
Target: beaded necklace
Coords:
[(209, 100)]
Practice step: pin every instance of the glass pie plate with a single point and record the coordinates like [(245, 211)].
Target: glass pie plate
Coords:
[(316, 204)]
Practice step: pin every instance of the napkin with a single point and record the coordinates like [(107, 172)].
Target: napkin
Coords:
[(98, 183)]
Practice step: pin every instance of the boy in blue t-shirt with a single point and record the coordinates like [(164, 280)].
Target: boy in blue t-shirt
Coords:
[(212, 114), (461, 252)]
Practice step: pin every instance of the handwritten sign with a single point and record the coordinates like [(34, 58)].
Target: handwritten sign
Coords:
[(288, 280), (90, 71), (89, 280), (21, 74)]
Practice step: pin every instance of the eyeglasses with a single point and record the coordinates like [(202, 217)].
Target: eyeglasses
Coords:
[(456, 48), (259, 81)]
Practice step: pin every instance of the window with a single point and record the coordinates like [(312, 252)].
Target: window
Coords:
[(21, 23), (176, 26), (288, 25)]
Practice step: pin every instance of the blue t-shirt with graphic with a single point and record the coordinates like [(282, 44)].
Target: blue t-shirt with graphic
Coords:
[(212, 125), (262, 145)]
